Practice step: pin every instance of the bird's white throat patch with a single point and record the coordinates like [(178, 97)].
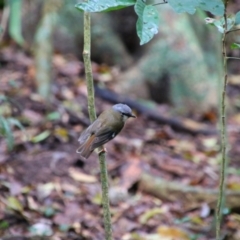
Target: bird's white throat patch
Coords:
[(124, 118)]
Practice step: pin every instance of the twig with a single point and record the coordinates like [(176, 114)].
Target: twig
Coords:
[(237, 58), (4, 21), (92, 115), (223, 131), (193, 195), (233, 30), (164, 2), (176, 123)]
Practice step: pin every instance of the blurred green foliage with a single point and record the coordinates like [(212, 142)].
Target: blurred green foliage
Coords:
[(1, 4), (7, 123), (15, 21)]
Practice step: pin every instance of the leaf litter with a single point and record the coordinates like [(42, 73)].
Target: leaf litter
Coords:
[(46, 190)]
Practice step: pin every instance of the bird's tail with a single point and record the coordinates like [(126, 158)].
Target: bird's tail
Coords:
[(86, 148)]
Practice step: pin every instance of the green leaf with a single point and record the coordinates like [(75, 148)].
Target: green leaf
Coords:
[(64, 227), (49, 211), (53, 116), (4, 224), (150, 214), (15, 23), (42, 136), (216, 7), (237, 18), (147, 23), (180, 6), (235, 46), (41, 229), (103, 5), (14, 204), (3, 97), (220, 23), (5, 130), (14, 121)]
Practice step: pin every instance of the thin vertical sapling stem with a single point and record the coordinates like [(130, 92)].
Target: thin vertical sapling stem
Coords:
[(43, 47), (88, 66), (4, 20), (92, 115), (223, 130)]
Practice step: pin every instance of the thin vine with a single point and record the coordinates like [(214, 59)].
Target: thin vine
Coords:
[(92, 115)]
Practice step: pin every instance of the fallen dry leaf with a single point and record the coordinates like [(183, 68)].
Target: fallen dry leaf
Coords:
[(14, 204), (131, 172), (170, 233), (81, 177)]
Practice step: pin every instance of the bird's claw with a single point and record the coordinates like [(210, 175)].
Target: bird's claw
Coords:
[(103, 150)]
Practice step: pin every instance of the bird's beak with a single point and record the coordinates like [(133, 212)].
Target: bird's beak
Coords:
[(133, 116)]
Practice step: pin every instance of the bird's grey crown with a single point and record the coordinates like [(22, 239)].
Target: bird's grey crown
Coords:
[(123, 108)]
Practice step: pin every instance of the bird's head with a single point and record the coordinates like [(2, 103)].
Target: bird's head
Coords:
[(124, 110)]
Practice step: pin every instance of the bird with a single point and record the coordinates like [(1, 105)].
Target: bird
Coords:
[(106, 127)]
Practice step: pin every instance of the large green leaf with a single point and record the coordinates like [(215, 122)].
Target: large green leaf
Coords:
[(216, 7), (180, 6), (147, 23), (103, 5), (237, 18)]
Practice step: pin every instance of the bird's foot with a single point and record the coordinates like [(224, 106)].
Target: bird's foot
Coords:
[(103, 150)]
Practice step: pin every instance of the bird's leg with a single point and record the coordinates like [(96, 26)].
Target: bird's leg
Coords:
[(103, 150)]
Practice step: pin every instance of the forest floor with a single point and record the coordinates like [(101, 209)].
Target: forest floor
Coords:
[(46, 190)]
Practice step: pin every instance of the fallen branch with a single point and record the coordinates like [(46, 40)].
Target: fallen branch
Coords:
[(189, 195), (183, 125)]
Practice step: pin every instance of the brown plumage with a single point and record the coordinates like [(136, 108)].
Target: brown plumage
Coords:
[(103, 129)]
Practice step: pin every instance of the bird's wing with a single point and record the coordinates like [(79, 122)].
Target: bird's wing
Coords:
[(89, 132), (103, 137), (85, 149)]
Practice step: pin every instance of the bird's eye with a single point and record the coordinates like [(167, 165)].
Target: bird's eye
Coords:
[(125, 114)]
